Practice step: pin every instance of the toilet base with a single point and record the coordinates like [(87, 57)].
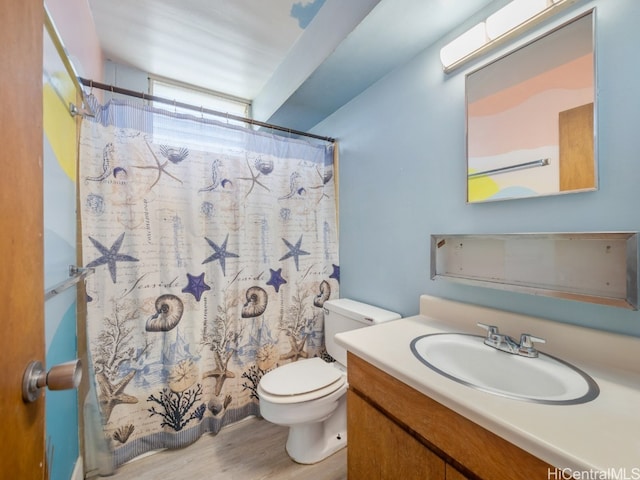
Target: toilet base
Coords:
[(313, 442)]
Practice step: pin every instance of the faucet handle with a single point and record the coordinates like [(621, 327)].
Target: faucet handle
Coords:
[(526, 345), (493, 338), (491, 329)]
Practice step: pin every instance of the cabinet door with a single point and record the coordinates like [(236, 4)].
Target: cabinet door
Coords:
[(452, 473), (378, 449)]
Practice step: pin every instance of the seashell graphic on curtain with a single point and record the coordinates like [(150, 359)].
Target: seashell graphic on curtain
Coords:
[(324, 295), (214, 249), (256, 302), (169, 310)]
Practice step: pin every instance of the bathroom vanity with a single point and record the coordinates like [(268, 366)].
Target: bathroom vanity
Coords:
[(408, 421), (401, 433)]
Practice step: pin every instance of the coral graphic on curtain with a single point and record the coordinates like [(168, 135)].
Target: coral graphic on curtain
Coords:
[(214, 248)]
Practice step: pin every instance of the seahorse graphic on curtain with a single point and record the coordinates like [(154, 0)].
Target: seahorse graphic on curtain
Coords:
[(214, 248)]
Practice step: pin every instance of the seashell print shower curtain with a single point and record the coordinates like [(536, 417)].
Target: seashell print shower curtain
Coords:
[(214, 249)]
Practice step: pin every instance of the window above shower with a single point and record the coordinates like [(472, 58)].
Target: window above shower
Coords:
[(207, 99)]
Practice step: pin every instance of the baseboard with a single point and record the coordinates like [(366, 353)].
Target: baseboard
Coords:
[(78, 470)]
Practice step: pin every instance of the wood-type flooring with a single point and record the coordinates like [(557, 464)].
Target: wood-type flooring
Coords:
[(253, 449)]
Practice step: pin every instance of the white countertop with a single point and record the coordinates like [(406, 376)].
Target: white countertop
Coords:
[(599, 436)]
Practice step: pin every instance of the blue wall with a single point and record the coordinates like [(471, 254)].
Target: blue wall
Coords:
[(60, 310), (403, 174), (59, 190)]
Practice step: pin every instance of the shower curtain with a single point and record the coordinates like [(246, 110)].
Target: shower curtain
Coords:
[(214, 248)]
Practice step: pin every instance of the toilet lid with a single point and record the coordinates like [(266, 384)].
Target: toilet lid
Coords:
[(300, 377)]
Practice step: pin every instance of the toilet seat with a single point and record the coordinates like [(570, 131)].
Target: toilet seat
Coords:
[(301, 381)]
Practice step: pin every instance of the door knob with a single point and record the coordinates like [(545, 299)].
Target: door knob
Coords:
[(65, 376)]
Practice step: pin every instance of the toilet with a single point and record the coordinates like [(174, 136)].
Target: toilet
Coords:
[(309, 396)]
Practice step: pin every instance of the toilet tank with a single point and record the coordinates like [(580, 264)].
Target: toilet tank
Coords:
[(343, 314)]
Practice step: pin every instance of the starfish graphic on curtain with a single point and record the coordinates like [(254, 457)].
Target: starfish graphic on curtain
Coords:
[(221, 253), (110, 256), (294, 251)]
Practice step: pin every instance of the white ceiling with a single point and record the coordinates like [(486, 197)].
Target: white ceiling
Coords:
[(231, 46), (295, 72)]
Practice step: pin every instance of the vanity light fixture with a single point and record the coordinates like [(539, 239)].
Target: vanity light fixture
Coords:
[(512, 15), (512, 19), (464, 45)]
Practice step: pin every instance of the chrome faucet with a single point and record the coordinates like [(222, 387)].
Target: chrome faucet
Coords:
[(526, 345), (505, 343)]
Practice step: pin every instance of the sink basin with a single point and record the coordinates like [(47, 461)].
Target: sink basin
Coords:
[(467, 360)]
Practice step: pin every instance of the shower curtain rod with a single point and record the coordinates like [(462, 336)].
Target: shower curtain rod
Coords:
[(153, 98)]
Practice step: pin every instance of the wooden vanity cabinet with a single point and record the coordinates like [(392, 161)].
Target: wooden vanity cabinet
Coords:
[(378, 448), (396, 432)]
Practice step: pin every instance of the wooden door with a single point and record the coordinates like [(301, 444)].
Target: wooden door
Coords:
[(21, 237), (577, 164)]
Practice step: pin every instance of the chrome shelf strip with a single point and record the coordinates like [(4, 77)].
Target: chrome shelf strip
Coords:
[(76, 274)]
